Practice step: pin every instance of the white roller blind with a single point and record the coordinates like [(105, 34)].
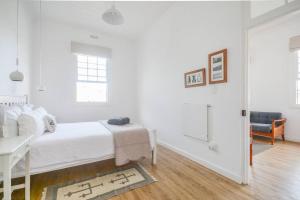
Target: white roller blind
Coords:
[(295, 43), (92, 50)]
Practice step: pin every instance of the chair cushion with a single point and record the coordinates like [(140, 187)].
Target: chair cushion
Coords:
[(264, 117), (265, 128)]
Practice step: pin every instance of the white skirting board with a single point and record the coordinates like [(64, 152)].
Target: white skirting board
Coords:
[(235, 177), (292, 139)]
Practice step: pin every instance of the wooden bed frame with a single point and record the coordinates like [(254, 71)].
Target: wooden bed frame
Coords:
[(22, 100)]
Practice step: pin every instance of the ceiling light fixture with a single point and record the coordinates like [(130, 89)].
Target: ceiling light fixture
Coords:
[(17, 75), (113, 16)]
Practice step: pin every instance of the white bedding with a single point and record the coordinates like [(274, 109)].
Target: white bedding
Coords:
[(71, 144)]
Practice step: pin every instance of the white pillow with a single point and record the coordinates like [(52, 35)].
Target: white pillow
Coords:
[(27, 107), (31, 123), (10, 121), (41, 111)]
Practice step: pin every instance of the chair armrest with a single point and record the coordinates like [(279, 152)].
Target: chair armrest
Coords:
[(282, 121)]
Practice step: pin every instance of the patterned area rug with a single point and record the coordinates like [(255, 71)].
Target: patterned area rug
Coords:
[(102, 186)]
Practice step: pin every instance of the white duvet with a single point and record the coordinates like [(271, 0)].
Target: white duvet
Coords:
[(71, 144)]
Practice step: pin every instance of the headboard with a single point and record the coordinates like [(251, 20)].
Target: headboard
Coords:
[(8, 101), (13, 100)]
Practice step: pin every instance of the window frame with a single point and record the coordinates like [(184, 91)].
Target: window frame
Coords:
[(292, 77), (108, 82), (297, 78)]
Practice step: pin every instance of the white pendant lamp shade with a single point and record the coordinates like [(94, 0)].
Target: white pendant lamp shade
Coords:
[(113, 16), (17, 75)]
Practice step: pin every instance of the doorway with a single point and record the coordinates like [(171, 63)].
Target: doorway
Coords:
[(272, 73)]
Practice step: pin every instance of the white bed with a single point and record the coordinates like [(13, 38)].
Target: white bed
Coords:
[(70, 145)]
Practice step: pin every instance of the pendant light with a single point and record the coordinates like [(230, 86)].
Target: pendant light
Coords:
[(113, 16), (41, 87), (17, 75)]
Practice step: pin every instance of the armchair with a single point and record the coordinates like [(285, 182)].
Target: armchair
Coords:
[(267, 124)]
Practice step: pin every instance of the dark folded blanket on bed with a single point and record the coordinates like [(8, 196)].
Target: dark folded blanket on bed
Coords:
[(119, 121)]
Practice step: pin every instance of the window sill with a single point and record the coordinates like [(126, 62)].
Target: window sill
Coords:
[(92, 104), (296, 106)]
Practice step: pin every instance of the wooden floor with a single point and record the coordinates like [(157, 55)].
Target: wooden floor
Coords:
[(274, 175)]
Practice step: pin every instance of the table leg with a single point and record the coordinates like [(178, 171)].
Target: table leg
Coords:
[(154, 151), (27, 176), (7, 180)]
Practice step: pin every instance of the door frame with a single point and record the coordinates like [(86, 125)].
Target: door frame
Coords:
[(245, 139), (287, 9), (246, 119)]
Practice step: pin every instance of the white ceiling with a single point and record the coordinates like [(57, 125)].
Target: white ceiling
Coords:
[(138, 15)]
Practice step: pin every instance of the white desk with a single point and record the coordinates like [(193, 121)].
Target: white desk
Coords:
[(11, 151)]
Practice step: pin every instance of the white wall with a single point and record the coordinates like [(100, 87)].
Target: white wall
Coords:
[(179, 42), (271, 75), (59, 75), (8, 47)]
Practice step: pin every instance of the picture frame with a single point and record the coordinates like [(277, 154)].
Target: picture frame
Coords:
[(217, 66), (195, 78)]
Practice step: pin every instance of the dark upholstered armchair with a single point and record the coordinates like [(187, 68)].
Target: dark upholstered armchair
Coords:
[(267, 124)]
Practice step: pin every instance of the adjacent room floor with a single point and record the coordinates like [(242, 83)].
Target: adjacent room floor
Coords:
[(275, 175), (276, 172)]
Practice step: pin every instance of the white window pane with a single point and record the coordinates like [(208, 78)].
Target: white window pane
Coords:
[(297, 91), (92, 78), (101, 73), (298, 84), (92, 66), (82, 58), (102, 67), (91, 75), (82, 65), (102, 79), (101, 61), (92, 72), (91, 92), (82, 78), (82, 71), (92, 59), (298, 81)]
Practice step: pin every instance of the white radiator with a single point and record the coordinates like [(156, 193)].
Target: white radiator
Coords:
[(195, 121)]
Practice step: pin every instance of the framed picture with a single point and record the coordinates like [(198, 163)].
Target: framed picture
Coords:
[(195, 78), (217, 66)]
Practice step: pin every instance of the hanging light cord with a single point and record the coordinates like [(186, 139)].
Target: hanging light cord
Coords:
[(40, 42), (17, 59)]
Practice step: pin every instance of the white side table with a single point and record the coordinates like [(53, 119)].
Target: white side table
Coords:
[(11, 151)]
